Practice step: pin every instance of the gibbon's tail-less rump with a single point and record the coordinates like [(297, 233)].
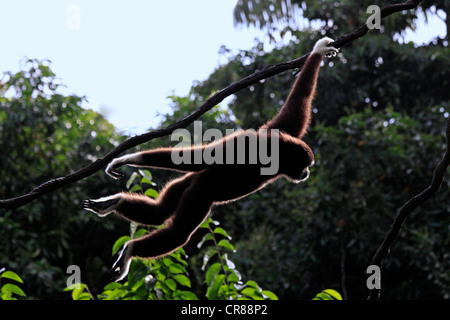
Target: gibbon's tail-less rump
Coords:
[(185, 202)]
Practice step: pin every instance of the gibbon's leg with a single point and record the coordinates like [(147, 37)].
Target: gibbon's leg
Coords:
[(193, 208), (141, 208)]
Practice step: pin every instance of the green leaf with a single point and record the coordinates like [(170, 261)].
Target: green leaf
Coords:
[(167, 261), (322, 296), (131, 179), (208, 255), (171, 284), (233, 277), (6, 296), (77, 294), (221, 231), (147, 175), (133, 227), (119, 244), (13, 289), (112, 286), (225, 290), (205, 224), (250, 292), (213, 291), (113, 294), (11, 275), (333, 293), (212, 272), (187, 295), (84, 296), (151, 193), (269, 295), (183, 280), (226, 244), (160, 276), (139, 233), (135, 188), (252, 284), (328, 294), (75, 286), (206, 237), (209, 221), (178, 256), (176, 268)]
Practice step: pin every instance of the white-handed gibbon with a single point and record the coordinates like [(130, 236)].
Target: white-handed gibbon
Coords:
[(185, 202)]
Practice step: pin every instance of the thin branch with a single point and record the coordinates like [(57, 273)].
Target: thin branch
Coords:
[(408, 207), (268, 72)]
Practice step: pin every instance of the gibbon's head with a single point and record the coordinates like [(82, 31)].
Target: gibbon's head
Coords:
[(300, 160)]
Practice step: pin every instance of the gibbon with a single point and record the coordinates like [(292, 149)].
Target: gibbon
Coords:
[(185, 202)]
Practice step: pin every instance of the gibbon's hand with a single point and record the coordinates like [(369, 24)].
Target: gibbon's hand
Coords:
[(111, 169), (321, 47)]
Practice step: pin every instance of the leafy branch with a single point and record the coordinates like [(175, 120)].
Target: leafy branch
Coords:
[(268, 72), (167, 278), (8, 290), (408, 207), (222, 279)]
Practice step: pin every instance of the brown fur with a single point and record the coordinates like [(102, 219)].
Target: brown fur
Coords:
[(185, 202)]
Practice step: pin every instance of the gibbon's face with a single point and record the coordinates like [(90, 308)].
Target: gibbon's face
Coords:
[(301, 160), (302, 175)]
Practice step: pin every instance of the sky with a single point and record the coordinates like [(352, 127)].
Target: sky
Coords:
[(126, 57)]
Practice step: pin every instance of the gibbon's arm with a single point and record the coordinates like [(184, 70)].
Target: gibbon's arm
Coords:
[(295, 115), (161, 158)]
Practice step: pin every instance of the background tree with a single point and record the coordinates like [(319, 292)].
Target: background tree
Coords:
[(371, 158), (377, 134), (281, 17), (43, 134), (379, 144)]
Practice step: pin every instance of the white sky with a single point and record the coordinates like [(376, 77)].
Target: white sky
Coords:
[(126, 57)]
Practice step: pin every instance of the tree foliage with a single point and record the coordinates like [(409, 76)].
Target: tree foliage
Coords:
[(377, 137), (281, 17), (377, 133), (44, 134), (9, 291)]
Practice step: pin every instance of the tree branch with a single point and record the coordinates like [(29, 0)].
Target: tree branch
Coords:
[(362, 30), (57, 183), (408, 207)]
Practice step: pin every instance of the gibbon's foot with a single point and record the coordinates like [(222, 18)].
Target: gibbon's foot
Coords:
[(322, 47), (103, 206), (121, 267)]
